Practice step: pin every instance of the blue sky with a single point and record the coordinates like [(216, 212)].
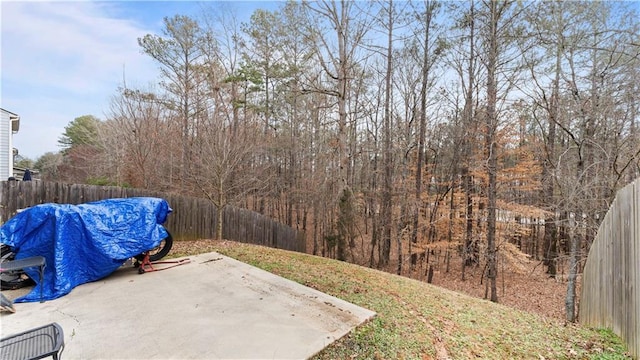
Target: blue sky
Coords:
[(60, 60)]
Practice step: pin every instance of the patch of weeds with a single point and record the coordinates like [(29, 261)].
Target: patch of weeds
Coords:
[(607, 346), (378, 339)]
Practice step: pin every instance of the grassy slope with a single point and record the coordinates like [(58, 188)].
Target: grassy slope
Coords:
[(418, 321)]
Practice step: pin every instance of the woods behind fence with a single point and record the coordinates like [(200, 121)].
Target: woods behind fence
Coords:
[(192, 218), (611, 285)]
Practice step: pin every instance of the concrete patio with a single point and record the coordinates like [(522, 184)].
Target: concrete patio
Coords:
[(211, 308)]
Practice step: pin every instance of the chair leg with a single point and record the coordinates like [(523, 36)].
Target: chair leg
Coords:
[(41, 283)]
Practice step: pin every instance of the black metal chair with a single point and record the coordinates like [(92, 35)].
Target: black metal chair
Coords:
[(34, 261), (38, 343)]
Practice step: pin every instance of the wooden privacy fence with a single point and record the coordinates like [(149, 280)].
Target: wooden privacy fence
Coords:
[(611, 279), (192, 218)]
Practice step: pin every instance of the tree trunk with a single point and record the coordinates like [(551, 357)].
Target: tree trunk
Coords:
[(570, 300), (421, 130), (220, 219), (551, 246), (491, 148), (550, 230), (470, 254), (387, 151)]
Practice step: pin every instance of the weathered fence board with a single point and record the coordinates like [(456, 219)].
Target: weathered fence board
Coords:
[(611, 279), (192, 218)]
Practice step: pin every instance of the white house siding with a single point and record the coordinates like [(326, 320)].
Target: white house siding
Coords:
[(6, 145)]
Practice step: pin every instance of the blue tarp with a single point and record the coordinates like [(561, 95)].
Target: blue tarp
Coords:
[(83, 243)]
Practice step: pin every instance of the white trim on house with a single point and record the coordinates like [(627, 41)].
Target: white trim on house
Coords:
[(9, 125)]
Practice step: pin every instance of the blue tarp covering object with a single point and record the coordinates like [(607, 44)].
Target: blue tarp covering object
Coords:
[(86, 242)]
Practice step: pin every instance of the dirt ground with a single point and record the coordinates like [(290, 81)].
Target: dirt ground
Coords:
[(530, 290), (522, 282)]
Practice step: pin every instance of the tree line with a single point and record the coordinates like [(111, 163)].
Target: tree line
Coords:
[(387, 130)]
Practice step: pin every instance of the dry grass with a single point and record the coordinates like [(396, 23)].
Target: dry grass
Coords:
[(420, 321)]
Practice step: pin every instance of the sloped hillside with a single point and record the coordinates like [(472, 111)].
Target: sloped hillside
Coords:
[(421, 321)]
